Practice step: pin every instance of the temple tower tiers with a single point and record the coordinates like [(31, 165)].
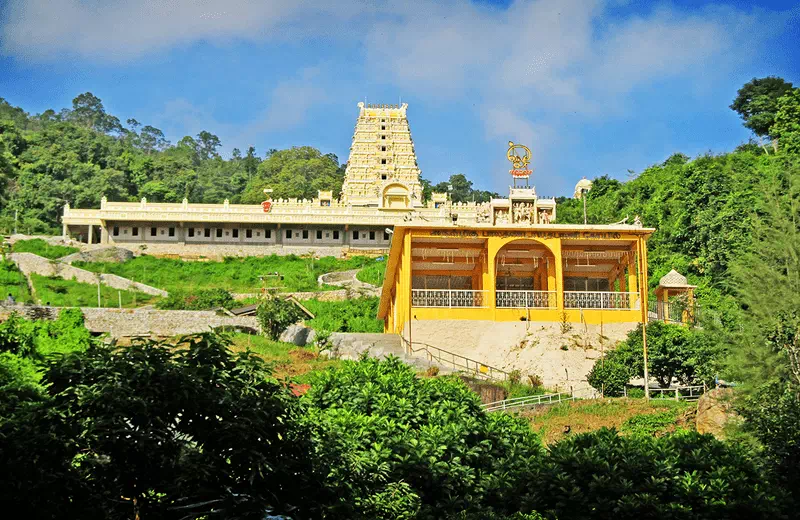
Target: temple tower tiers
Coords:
[(382, 169)]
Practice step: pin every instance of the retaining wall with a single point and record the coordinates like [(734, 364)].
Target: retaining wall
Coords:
[(133, 322)]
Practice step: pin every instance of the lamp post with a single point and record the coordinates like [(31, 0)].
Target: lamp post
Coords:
[(584, 191)]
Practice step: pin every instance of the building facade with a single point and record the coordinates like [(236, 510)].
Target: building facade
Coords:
[(591, 274), (381, 189)]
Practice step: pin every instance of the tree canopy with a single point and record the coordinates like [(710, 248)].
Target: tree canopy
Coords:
[(80, 154), (757, 102)]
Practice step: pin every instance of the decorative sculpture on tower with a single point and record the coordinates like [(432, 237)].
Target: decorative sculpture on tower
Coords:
[(519, 162)]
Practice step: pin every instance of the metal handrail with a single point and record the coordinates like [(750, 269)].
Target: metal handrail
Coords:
[(477, 368), (530, 400), (606, 300), (524, 299), (695, 391), (449, 298)]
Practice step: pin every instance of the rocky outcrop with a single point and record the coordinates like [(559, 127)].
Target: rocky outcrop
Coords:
[(104, 254), (298, 334), (715, 411)]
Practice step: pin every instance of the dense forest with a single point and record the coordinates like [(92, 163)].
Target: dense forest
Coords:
[(78, 155)]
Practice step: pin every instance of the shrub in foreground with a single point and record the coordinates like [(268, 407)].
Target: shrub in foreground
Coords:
[(275, 314), (152, 431)]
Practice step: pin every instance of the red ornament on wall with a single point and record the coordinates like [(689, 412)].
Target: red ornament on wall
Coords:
[(266, 205)]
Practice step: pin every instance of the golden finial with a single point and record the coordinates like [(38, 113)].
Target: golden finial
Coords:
[(519, 162)]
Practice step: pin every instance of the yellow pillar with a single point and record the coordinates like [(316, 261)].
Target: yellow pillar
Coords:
[(633, 275), (493, 246), (404, 293), (557, 277), (643, 288)]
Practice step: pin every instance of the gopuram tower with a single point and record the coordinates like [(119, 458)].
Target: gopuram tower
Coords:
[(382, 169)]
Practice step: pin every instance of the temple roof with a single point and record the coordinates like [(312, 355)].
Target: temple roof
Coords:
[(674, 279)]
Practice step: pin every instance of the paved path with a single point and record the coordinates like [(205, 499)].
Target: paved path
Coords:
[(348, 280)]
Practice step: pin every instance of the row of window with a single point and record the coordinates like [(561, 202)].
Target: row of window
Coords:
[(248, 233)]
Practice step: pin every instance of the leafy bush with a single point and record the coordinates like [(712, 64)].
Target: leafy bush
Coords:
[(275, 314), (685, 475), (25, 345), (648, 424), (772, 414), (609, 376), (13, 282), (39, 247), (674, 351), (197, 301), (179, 432), (353, 315), (382, 427)]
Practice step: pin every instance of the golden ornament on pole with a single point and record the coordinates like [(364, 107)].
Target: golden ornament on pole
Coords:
[(519, 162)]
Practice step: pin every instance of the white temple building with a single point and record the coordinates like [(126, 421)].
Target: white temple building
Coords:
[(381, 188)]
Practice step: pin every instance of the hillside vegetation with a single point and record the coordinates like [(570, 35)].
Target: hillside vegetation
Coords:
[(81, 153), (236, 275)]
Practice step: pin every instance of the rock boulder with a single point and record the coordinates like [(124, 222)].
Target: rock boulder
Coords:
[(296, 334), (714, 411)]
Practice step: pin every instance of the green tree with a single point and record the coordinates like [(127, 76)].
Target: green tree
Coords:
[(757, 102), (207, 144), (298, 172), (691, 356), (687, 475), (152, 139), (787, 122), (398, 446), (275, 314), (460, 190), (152, 431)]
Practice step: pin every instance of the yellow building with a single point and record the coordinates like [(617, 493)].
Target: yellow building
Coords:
[(591, 274)]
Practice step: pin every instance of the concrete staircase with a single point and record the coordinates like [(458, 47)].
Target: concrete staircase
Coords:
[(351, 345), (421, 356)]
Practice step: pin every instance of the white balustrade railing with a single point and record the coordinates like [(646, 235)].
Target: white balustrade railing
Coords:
[(601, 300), (525, 299), (448, 298)]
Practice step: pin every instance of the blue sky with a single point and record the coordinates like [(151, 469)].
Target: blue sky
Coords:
[(593, 87)]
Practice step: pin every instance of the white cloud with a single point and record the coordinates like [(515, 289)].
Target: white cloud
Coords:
[(290, 102), (118, 30), (525, 67)]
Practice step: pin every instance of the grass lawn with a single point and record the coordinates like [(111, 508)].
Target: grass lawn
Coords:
[(13, 282), (39, 247), (290, 361), (354, 315), (237, 275), (69, 293), (629, 416), (373, 272)]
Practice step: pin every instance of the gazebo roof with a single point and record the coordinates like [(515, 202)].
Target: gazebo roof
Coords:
[(674, 279)]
